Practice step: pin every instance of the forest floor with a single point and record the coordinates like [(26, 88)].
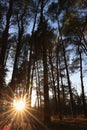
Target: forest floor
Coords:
[(69, 124), (65, 124)]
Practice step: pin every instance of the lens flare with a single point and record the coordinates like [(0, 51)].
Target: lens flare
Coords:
[(19, 104)]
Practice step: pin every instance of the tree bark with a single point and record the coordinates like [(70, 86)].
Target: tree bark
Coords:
[(54, 87), (69, 83), (4, 38), (46, 90), (82, 85), (58, 88), (18, 48), (47, 117), (4, 44)]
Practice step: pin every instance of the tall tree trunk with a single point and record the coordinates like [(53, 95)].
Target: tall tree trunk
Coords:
[(59, 100), (30, 55), (4, 38), (82, 85), (47, 116), (46, 90), (67, 72), (54, 86), (38, 73), (37, 88), (62, 86), (29, 70), (30, 98), (18, 48), (4, 44), (69, 83)]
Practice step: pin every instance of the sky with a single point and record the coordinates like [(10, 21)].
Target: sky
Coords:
[(75, 78)]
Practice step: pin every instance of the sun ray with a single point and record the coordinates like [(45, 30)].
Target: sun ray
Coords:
[(17, 112), (35, 118)]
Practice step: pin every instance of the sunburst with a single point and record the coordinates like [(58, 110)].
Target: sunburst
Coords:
[(16, 112)]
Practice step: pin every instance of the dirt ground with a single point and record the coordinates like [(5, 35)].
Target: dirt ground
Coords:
[(69, 124)]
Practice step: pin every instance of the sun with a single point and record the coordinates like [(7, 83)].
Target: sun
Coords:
[(19, 104)]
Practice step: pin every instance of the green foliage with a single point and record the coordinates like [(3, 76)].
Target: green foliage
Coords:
[(70, 24)]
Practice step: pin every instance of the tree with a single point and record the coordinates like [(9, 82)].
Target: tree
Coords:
[(4, 38), (41, 37), (82, 85), (4, 43)]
